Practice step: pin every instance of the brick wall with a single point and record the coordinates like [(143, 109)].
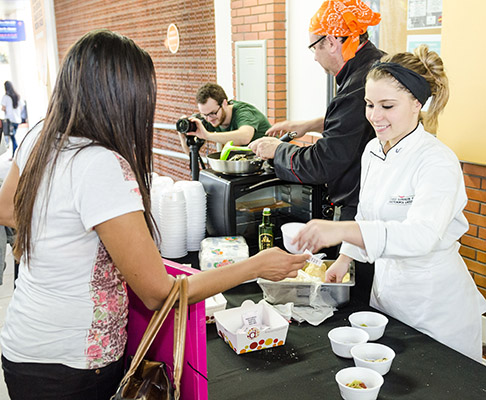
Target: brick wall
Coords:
[(473, 243), (178, 75), (265, 20)]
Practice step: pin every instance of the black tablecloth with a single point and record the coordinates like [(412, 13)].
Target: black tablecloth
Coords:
[(304, 368)]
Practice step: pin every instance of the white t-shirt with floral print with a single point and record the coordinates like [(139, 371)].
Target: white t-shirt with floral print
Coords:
[(70, 304)]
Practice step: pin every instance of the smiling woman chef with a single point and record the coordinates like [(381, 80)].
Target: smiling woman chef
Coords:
[(410, 209)]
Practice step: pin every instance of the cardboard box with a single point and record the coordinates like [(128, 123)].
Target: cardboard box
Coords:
[(228, 322), (214, 304)]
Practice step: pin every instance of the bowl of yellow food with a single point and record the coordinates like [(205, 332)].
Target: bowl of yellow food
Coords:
[(356, 383), (372, 322), (375, 356)]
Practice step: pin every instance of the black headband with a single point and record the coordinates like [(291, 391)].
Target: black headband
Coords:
[(414, 82)]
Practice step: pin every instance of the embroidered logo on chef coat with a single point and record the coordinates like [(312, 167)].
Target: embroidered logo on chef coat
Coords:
[(401, 200)]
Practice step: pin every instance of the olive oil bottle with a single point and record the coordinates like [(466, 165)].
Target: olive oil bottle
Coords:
[(265, 231)]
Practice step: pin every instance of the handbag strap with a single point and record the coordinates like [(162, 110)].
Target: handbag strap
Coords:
[(180, 327), (156, 323)]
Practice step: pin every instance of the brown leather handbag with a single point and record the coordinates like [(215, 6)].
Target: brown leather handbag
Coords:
[(148, 380)]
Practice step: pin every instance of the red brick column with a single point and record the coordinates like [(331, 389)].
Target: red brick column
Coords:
[(473, 243), (259, 20)]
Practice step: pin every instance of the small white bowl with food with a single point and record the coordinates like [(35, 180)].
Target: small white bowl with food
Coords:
[(344, 338), (289, 232), (376, 356), (372, 322), (356, 383)]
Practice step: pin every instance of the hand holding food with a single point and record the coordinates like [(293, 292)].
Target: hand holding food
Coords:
[(265, 147), (276, 264), (338, 271)]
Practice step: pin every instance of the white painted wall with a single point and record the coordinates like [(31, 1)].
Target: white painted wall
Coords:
[(224, 57), (306, 79)]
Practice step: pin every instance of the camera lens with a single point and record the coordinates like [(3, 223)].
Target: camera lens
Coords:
[(184, 125)]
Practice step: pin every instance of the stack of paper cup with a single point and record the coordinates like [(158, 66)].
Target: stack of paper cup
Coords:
[(196, 212)]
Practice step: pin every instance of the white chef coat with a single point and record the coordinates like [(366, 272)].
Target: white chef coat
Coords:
[(410, 216)]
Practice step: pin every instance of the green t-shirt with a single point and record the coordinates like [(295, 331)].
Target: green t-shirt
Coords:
[(247, 114)]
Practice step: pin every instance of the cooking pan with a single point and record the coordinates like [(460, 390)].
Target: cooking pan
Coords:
[(251, 165)]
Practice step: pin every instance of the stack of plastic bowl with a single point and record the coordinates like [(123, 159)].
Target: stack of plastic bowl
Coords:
[(196, 212), (160, 184), (169, 211)]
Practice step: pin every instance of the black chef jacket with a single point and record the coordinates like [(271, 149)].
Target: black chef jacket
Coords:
[(335, 158)]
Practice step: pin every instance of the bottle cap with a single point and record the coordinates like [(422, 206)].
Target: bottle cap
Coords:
[(266, 210)]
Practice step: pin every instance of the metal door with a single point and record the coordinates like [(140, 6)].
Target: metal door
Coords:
[(251, 73)]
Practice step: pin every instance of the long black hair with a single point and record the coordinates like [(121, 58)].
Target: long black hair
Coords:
[(10, 91), (106, 92)]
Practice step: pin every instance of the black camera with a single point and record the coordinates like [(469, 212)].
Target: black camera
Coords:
[(185, 125)]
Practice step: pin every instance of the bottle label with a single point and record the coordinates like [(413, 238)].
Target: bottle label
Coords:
[(266, 241)]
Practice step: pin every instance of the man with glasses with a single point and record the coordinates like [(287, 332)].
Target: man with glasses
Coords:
[(232, 120), (339, 40)]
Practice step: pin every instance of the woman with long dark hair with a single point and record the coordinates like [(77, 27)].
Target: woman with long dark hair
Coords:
[(12, 107), (78, 193)]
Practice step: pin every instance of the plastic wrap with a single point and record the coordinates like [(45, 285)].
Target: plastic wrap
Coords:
[(219, 251)]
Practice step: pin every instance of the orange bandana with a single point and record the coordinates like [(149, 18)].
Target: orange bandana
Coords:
[(344, 18)]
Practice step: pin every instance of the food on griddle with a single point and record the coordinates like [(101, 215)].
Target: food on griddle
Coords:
[(356, 384)]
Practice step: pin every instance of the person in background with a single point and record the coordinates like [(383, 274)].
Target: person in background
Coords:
[(233, 120), (78, 193), (12, 106), (410, 214), (339, 39)]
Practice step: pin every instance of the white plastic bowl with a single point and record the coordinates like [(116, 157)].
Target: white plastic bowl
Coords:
[(372, 322), (289, 231), (372, 379), (344, 338), (366, 356)]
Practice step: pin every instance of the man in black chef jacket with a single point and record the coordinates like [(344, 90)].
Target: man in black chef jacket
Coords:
[(338, 37)]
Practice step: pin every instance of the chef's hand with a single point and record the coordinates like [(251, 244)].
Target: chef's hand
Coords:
[(276, 264), (318, 233), (338, 269), (265, 147), (281, 128)]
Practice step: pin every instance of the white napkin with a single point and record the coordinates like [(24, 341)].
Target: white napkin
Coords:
[(314, 315)]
